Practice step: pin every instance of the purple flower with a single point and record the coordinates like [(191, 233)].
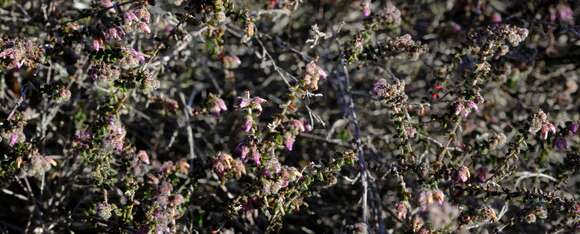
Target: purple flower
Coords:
[(561, 143), (565, 13), (574, 128), (243, 150)]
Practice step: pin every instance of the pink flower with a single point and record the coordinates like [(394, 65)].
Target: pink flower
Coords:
[(462, 174), (257, 103), (473, 105), (272, 167), (216, 104), (244, 102), (496, 18), (142, 155), (137, 55), (98, 44), (129, 16), (366, 8), (13, 139), (565, 13), (254, 103), (298, 125), (8, 53), (464, 108), (144, 27), (401, 210), (256, 156), (114, 33), (248, 123), (289, 141), (243, 150), (547, 128), (106, 3)]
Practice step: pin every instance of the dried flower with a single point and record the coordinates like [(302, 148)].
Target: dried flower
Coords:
[(439, 197), (216, 105), (313, 74)]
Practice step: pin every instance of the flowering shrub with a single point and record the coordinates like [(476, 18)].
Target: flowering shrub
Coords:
[(227, 116)]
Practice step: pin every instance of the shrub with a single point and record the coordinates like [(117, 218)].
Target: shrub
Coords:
[(211, 116)]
